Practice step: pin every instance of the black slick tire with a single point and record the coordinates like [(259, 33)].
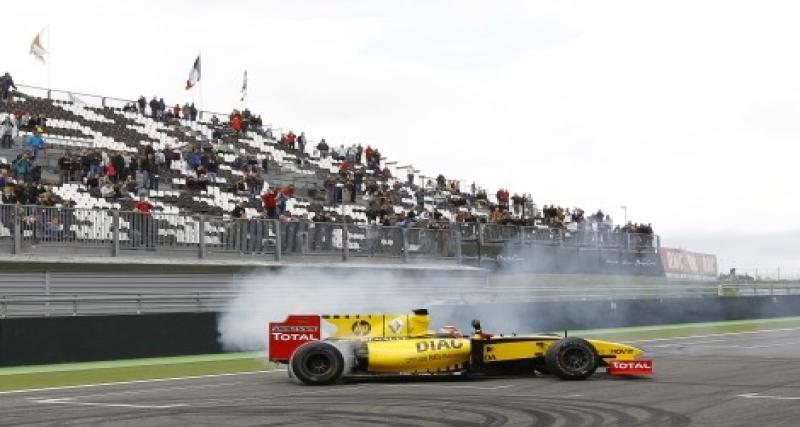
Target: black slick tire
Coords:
[(317, 363), (571, 358)]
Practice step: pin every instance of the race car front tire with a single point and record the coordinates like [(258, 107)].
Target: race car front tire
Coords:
[(317, 363), (571, 358)]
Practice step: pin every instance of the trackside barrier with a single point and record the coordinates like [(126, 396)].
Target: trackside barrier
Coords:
[(39, 229), (80, 304)]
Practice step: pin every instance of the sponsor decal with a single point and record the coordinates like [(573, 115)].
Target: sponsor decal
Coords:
[(293, 328), (361, 328), (435, 345), (277, 336), (396, 325), (680, 264), (630, 367)]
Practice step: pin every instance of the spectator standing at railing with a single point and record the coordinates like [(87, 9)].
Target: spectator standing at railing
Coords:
[(142, 102), (142, 226), (192, 112), (162, 108), (323, 149), (270, 203), (301, 144), (154, 108), (6, 83), (369, 152)]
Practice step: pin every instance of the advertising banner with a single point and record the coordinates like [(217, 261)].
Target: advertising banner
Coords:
[(684, 265)]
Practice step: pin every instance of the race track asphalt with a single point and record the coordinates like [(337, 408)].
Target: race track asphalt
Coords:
[(738, 379)]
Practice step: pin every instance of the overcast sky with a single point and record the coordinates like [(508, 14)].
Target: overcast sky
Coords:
[(684, 111)]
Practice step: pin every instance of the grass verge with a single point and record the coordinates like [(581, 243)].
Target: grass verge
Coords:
[(45, 376), (688, 329)]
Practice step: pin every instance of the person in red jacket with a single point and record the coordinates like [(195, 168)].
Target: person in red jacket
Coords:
[(236, 122), (291, 138), (368, 153), (142, 227), (288, 191), (270, 201)]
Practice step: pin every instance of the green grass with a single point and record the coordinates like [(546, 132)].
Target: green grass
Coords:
[(44, 376), (688, 329)]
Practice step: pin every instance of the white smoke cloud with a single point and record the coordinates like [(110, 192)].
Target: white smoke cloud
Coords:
[(263, 298)]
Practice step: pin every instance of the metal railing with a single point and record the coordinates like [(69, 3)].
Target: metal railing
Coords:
[(81, 304), (33, 229), (102, 101)]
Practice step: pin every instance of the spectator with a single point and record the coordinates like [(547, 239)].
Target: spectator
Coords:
[(6, 83), (7, 129), (154, 108), (301, 143), (23, 167), (192, 112), (65, 166), (35, 143), (323, 148), (162, 108), (270, 202), (142, 104), (176, 111), (142, 225)]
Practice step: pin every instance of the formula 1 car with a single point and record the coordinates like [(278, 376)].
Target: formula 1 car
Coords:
[(392, 345)]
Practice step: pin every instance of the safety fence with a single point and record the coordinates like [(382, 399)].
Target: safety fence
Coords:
[(81, 304), (40, 229)]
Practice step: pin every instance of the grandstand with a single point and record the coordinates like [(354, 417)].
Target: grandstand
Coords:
[(325, 204)]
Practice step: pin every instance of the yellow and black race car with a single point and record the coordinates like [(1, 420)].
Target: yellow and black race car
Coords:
[(402, 344)]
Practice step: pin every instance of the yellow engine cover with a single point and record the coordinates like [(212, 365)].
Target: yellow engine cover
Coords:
[(377, 325), (418, 355)]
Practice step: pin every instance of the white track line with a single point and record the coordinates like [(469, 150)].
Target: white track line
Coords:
[(687, 343), (155, 380), (69, 401), (476, 387), (725, 334), (759, 396)]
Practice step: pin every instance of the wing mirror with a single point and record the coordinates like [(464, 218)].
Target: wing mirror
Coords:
[(476, 325)]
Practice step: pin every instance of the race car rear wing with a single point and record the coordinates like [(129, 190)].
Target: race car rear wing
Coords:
[(284, 337), (298, 329)]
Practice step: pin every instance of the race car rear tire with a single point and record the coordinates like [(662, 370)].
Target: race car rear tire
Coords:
[(571, 358), (317, 363)]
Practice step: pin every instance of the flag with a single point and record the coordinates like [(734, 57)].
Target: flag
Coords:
[(194, 75), (244, 86), (37, 48)]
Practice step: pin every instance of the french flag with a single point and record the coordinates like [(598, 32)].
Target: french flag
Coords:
[(194, 75)]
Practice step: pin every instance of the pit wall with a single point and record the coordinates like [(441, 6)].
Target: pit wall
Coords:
[(27, 341)]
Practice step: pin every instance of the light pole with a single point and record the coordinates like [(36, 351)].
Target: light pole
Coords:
[(624, 213)]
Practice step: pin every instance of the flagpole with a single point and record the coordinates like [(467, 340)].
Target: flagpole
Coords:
[(49, 60), (200, 89)]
